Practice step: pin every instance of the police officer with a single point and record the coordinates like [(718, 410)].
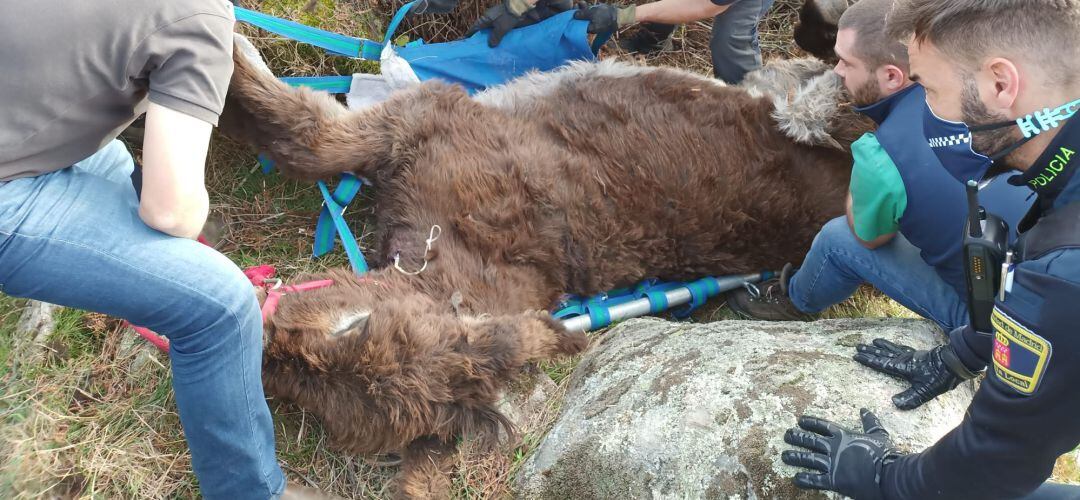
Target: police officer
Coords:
[(905, 214), (1002, 80)]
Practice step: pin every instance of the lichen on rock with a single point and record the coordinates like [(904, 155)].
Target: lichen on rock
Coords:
[(677, 410)]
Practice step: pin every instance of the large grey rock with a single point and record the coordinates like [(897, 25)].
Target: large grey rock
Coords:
[(676, 410)]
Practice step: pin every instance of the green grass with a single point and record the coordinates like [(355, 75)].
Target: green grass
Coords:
[(10, 309)]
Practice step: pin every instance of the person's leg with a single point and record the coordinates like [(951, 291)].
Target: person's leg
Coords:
[(113, 162), (837, 264), (734, 44), (74, 238)]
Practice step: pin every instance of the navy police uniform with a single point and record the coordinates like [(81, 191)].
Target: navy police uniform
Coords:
[(1027, 412), (935, 204)]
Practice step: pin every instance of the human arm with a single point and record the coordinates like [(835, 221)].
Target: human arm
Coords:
[(931, 373), (1023, 416), (1010, 438), (607, 18), (501, 18), (877, 197), (872, 244), (679, 11), (846, 461), (187, 66), (174, 199)]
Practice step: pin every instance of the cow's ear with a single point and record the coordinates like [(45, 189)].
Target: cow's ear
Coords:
[(807, 115)]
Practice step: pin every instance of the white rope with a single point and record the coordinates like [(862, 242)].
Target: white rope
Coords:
[(436, 231)]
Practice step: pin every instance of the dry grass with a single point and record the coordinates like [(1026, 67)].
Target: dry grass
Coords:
[(97, 419)]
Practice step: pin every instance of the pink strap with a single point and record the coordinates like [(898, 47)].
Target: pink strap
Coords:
[(158, 341), (274, 295), (258, 275)]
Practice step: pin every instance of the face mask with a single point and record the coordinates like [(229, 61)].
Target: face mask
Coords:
[(951, 141)]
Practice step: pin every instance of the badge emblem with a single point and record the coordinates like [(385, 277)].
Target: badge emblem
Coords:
[(1020, 356)]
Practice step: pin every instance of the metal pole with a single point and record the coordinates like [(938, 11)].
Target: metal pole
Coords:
[(675, 297)]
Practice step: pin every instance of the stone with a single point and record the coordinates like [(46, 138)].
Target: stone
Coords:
[(36, 323), (677, 410)]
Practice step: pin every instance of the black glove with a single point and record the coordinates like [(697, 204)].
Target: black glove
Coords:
[(607, 18), (547, 8), (433, 7), (849, 462), (501, 19), (930, 372)]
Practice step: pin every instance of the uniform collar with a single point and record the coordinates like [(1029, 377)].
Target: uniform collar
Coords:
[(1052, 175), (881, 110)]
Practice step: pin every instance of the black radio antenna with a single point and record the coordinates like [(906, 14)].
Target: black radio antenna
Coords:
[(974, 221)]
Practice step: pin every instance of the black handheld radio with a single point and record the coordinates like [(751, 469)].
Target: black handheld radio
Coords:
[(986, 238)]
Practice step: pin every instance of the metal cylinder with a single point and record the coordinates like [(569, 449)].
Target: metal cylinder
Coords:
[(675, 297)]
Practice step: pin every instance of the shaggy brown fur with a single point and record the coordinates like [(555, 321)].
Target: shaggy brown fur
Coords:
[(551, 185)]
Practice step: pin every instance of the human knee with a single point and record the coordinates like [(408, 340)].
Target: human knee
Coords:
[(226, 305), (836, 234), (238, 296)]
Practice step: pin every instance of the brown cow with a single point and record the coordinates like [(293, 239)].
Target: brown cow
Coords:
[(578, 181)]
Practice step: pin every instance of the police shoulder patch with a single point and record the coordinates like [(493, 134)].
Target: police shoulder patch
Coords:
[(1020, 356)]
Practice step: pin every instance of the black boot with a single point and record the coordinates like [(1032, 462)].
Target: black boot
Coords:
[(768, 301), (650, 39)]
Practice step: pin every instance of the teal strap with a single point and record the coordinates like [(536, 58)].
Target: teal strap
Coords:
[(569, 309), (331, 84), (597, 307), (701, 291), (394, 22), (329, 41), (657, 301), (599, 317), (336, 213), (656, 293), (267, 165), (325, 229)]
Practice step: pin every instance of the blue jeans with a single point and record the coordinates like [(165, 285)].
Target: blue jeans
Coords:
[(734, 44), (837, 264), (74, 238)]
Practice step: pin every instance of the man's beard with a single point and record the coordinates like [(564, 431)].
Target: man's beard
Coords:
[(867, 94), (988, 142)]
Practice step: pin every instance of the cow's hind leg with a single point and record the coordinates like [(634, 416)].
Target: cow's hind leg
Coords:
[(309, 135)]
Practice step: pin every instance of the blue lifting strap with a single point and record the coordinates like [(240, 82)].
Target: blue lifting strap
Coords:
[(597, 307), (333, 43), (335, 211), (331, 84), (700, 291), (267, 165), (395, 21), (326, 228)]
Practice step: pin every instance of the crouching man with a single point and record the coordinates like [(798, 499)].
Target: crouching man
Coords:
[(903, 232), (1003, 77)]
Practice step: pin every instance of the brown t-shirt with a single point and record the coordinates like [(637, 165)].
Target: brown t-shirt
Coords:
[(75, 73)]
